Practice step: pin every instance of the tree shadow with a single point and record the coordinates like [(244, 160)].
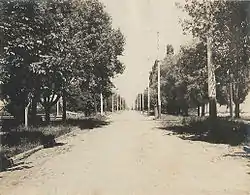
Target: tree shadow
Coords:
[(219, 131), (55, 145), (87, 123), (243, 155), (18, 168), (238, 154), (83, 124)]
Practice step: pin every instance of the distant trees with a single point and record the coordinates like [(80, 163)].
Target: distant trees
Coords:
[(57, 48)]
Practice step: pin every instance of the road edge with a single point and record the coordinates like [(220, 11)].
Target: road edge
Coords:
[(26, 154)]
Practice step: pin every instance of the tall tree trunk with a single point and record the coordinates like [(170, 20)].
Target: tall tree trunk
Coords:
[(34, 110), (47, 114), (34, 102), (198, 111), (231, 95), (64, 108), (212, 108), (185, 109), (95, 104), (203, 110), (179, 111), (237, 110)]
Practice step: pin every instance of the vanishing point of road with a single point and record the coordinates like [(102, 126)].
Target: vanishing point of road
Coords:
[(130, 156)]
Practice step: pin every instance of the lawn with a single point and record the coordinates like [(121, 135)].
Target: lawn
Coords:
[(19, 139)]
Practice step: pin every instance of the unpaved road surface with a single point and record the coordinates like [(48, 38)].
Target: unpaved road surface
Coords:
[(131, 156)]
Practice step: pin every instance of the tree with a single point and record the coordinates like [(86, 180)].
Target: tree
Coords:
[(170, 49), (227, 22), (102, 45), (153, 85), (65, 45), (18, 18), (193, 62)]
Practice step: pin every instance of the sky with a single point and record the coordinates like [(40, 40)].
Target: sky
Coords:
[(139, 21)]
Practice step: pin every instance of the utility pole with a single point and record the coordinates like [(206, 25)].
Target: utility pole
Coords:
[(159, 78), (139, 102), (142, 102), (112, 102), (26, 112), (140, 96), (120, 103), (211, 73), (58, 108), (148, 96), (101, 104), (117, 102), (211, 80)]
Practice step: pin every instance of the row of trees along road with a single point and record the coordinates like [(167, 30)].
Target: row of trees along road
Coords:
[(56, 48), (184, 75)]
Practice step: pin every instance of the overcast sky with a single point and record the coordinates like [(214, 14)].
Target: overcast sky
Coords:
[(139, 20)]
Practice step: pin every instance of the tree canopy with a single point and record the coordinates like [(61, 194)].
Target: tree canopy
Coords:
[(53, 47)]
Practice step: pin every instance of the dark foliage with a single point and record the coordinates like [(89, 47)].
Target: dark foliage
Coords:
[(219, 131)]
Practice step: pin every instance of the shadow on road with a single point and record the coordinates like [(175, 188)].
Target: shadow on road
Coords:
[(87, 123), (239, 154), (219, 131), (53, 145), (19, 168)]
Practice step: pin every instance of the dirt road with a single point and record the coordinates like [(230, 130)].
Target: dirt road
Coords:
[(131, 156)]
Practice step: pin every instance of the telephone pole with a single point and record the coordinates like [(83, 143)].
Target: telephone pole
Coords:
[(211, 73), (121, 103), (112, 102), (148, 96), (117, 102), (159, 78), (139, 98), (142, 101), (101, 96)]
